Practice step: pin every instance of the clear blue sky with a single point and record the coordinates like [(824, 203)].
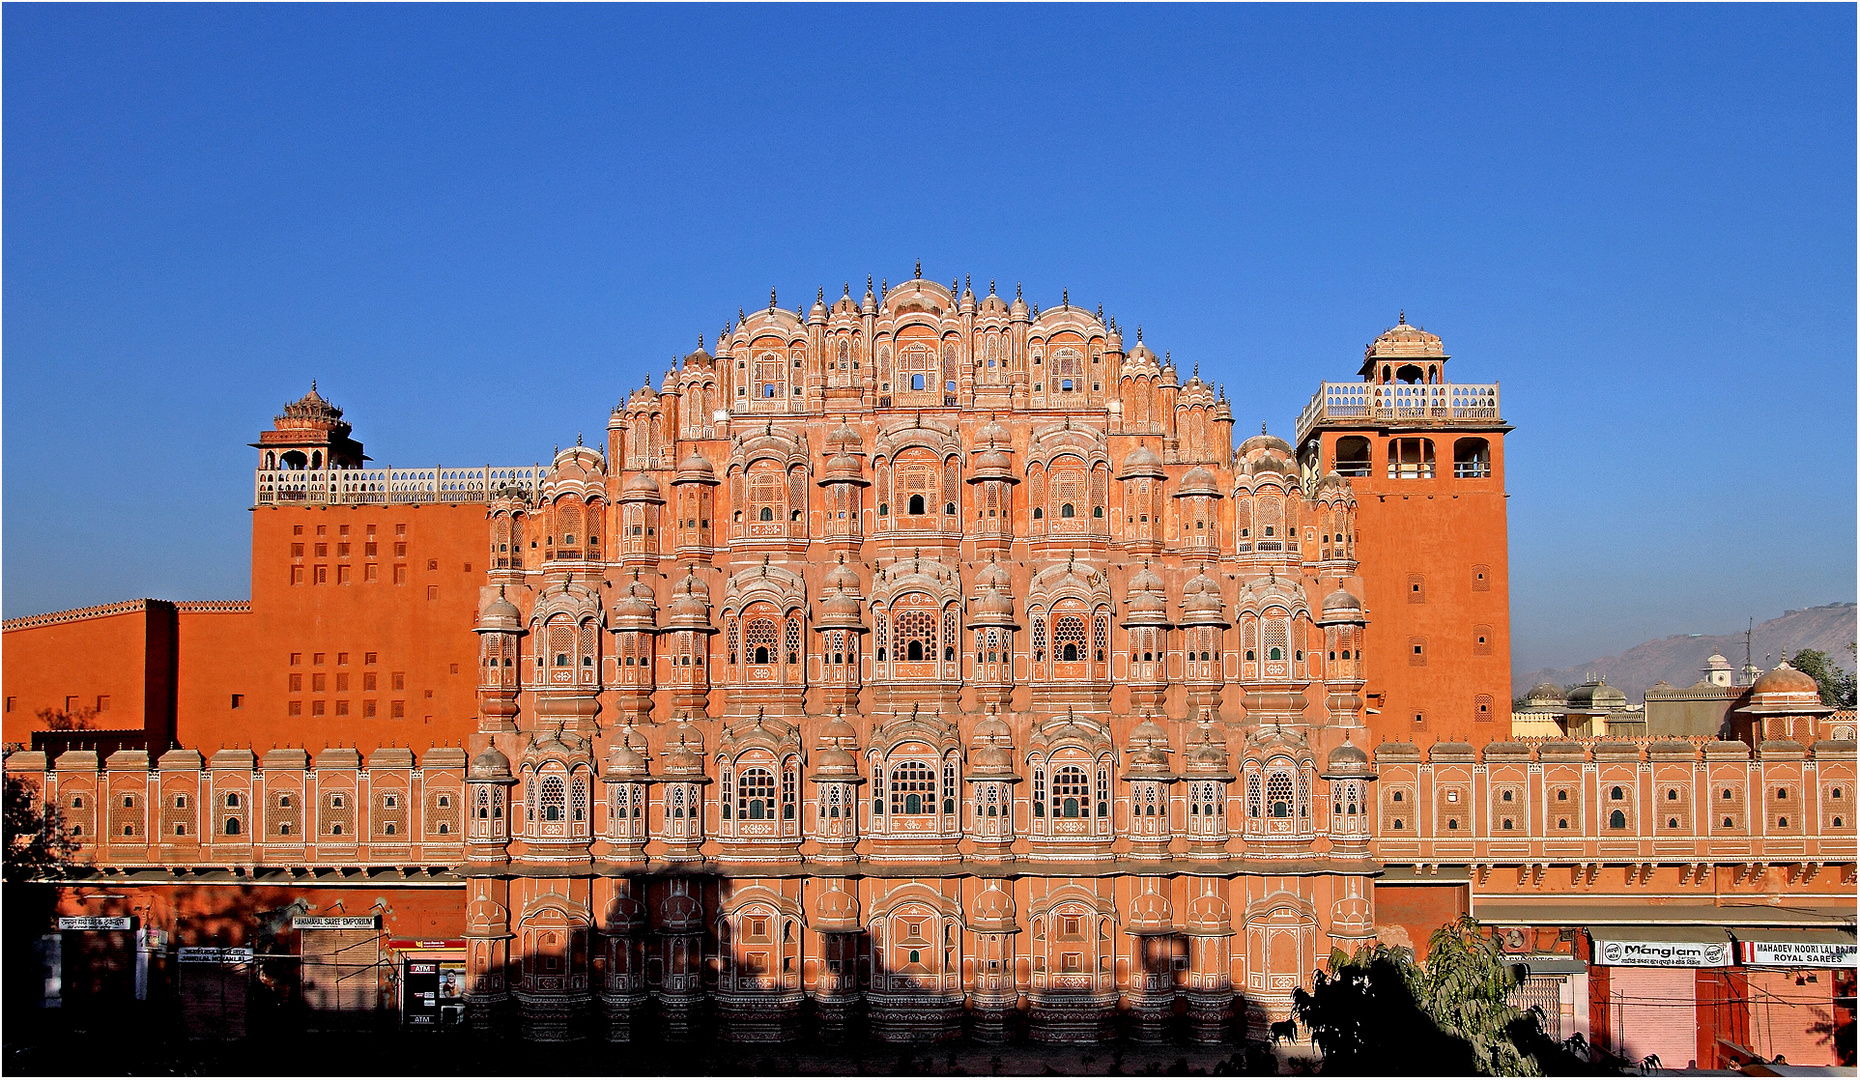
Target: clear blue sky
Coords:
[(479, 227)]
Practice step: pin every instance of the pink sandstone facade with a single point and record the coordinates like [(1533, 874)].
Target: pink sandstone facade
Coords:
[(935, 664)]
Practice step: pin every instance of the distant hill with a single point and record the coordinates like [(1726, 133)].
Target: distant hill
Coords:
[(1678, 659)]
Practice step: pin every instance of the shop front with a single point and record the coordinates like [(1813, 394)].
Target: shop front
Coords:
[(1798, 992), (432, 982)]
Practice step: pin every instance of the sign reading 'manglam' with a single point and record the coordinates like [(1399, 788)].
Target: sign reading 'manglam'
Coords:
[(1652, 948)]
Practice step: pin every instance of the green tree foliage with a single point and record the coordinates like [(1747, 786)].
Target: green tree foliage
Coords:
[(1380, 1012), (1837, 686), (38, 845), (1365, 1017)]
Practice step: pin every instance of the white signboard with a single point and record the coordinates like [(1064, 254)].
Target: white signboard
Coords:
[(1675, 954), (194, 954), (333, 922), (1800, 954), (96, 922)]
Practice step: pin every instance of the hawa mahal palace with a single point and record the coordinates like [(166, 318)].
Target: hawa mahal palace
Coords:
[(921, 661)]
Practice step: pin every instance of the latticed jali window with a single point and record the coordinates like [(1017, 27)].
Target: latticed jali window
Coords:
[(913, 788), (949, 633), (791, 641), (916, 634), (1071, 792), (1279, 794), (759, 641), (755, 794), (1069, 638)]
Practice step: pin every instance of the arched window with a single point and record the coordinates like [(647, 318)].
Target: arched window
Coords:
[(1617, 820), (916, 504), (554, 798), (913, 788)]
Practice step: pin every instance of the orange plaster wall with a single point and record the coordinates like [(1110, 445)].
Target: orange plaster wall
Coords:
[(210, 673), (1439, 529), (428, 641), (83, 658), (1407, 915)]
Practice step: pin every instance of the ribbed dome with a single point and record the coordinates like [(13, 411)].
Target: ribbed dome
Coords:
[(836, 910), (1263, 441), (993, 910), (636, 603), (994, 605), (1271, 462), (491, 764), (681, 913), (1151, 913), (1545, 693), (623, 760), (1405, 340), (993, 434), (1198, 481), (1142, 457), (1208, 915), (500, 616), (1342, 600), (697, 467), (1597, 695), (1784, 679), (1784, 691), (1346, 758), (991, 463), (843, 467), (842, 577), (641, 484)]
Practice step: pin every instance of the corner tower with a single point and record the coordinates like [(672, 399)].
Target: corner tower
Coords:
[(1426, 459)]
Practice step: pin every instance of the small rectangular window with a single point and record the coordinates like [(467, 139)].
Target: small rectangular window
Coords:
[(368, 708), (368, 680), (297, 658), (371, 572), (297, 683), (399, 710), (103, 703), (400, 680), (322, 575), (400, 575), (432, 592), (368, 658), (297, 575), (295, 708), (343, 575), (238, 701)]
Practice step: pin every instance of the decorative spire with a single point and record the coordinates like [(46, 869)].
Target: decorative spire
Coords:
[(1402, 318), (771, 299), (820, 295), (1139, 333), (1017, 290), (578, 434), (920, 268), (1065, 298), (700, 343)]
